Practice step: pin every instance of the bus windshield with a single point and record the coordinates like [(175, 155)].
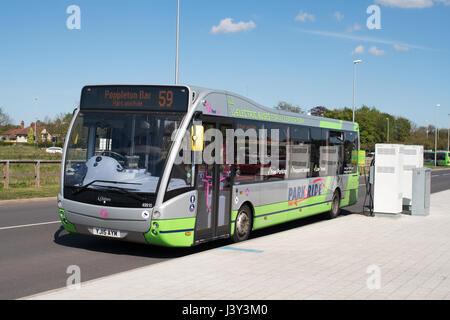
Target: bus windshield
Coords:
[(118, 151), (441, 155), (428, 156)]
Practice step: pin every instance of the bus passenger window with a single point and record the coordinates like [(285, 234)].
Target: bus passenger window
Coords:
[(334, 157), (247, 163), (277, 139), (298, 153), (318, 142)]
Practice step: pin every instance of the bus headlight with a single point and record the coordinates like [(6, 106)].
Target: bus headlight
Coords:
[(156, 215)]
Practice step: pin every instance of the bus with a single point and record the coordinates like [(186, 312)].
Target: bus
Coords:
[(443, 158), (428, 158), (124, 174)]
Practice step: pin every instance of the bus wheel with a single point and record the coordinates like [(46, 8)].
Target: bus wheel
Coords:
[(243, 224), (334, 212)]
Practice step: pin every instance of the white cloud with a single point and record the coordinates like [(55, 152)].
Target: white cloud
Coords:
[(304, 17), (360, 38), (376, 52), (398, 47), (358, 50), (339, 16), (406, 4), (227, 26)]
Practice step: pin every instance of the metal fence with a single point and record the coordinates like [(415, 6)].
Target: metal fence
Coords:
[(37, 175)]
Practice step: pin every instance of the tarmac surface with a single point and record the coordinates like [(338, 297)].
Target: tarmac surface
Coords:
[(352, 257)]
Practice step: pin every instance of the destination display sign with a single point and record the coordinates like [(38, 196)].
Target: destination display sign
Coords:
[(135, 98)]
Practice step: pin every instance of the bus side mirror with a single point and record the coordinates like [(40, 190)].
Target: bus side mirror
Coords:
[(197, 138)]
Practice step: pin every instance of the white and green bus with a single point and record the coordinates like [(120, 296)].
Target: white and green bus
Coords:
[(125, 175)]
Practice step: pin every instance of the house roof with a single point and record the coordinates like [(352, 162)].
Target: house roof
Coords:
[(16, 132), (21, 131)]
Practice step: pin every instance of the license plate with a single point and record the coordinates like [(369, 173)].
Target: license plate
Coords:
[(106, 232)]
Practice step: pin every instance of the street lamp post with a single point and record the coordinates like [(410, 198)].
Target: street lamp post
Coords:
[(435, 135), (448, 139), (354, 86), (178, 41), (35, 123)]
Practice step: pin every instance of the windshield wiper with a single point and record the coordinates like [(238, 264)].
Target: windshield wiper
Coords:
[(123, 191), (85, 187)]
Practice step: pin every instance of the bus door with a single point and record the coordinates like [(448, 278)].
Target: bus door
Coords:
[(214, 190)]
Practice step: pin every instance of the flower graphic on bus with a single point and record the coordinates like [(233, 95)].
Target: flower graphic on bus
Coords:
[(104, 213)]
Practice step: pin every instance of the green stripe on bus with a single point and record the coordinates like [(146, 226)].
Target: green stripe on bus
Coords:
[(233, 219), (277, 213), (172, 232), (272, 214), (292, 213), (331, 124), (66, 223)]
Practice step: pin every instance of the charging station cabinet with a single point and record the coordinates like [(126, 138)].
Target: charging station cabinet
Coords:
[(412, 158), (421, 191), (400, 183), (387, 187)]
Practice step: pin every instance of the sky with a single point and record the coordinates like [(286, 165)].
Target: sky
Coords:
[(301, 52)]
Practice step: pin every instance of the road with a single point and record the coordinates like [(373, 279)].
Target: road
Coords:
[(35, 252)]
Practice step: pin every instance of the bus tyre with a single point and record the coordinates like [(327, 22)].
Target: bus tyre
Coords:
[(335, 202), (243, 224)]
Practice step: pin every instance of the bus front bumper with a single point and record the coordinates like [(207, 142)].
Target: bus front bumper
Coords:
[(128, 224)]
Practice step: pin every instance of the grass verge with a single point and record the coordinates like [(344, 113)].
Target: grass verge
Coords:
[(29, 192)]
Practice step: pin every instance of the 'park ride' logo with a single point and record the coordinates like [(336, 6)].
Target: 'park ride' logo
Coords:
[(301, 193)]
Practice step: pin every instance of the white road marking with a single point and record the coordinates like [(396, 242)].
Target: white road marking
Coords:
[(29, 225)]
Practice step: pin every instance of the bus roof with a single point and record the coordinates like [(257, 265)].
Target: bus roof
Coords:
[(225, 103), (229, 104)]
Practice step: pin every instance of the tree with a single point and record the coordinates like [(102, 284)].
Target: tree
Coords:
[(30, 137), (282, 105), (373, 126), (402, 130), (318, 111), (62, 123), (4, 118)]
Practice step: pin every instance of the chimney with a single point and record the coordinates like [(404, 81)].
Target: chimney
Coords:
[(22, 124)]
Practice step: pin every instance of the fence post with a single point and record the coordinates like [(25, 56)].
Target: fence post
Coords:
[(37, 173), (6, 175)]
